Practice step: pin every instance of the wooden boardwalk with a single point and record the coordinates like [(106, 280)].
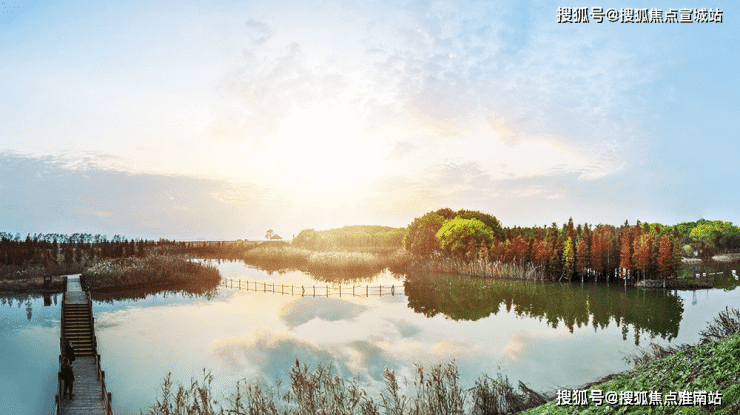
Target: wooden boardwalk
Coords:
[(315, 290), (90, 394)]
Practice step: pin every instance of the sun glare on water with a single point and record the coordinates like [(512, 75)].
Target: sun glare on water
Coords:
[(323, 152)]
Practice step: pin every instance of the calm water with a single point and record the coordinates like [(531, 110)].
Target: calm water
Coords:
[(546, 335)]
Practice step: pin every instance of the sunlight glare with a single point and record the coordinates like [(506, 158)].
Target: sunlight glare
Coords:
[(322, 151)]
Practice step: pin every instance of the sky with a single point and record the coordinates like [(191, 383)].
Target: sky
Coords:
[(219, 121)]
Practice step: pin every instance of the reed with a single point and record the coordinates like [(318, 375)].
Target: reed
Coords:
[(436, 392), (484, 268), (148, 271)]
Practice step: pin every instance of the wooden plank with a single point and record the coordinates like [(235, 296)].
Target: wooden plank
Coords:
[(87, 390)]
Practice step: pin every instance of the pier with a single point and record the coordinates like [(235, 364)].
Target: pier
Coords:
[(78, 326)]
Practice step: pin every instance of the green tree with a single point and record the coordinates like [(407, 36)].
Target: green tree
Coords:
[(710, 236), (421, 235), (489, 220), (456, 235), (568, 258)]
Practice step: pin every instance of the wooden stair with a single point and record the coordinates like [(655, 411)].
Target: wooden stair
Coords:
[(78, 328)]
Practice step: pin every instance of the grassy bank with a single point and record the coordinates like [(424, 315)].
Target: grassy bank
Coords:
[(712, 366), (32, 284), (149, 271), (330, 265)]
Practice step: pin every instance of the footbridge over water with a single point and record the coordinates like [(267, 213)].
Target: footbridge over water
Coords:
[(78, 326)]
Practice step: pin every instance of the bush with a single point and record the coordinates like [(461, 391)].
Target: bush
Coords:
[(726, 324)]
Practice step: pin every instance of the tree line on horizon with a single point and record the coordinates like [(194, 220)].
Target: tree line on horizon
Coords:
[(647, 250), (67, 252), (650, 250)]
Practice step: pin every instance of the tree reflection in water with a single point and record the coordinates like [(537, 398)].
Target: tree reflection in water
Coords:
[(206, 291), (465, 298)]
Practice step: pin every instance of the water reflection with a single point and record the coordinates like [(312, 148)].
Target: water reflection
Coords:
[(463, 298), (207, 291), (279, 268), (27, 299)]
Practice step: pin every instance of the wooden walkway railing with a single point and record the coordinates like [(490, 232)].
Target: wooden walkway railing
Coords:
[(91, 395), (314, 290)]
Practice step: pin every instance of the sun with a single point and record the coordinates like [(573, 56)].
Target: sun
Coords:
[(322, 151)]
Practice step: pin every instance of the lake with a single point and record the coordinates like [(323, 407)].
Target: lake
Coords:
[(546, 335)]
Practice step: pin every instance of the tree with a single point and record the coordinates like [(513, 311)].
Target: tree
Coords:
[(270, 233), (641, 252), (568, 258), (421, 235), (488, 220), (665, 257), (625, 253), (456, 235), (597, 253), (583, 259)]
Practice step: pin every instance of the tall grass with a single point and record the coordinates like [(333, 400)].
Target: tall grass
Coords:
[(151, 270), (484, 268), (435, 392), (726, 324)]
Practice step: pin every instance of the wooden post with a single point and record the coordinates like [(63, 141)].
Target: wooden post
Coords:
[(367, 291), (393, 289), (314, 291), (240, 284), (380, 290), (291, 289), (273, 288), (281, 289), (264, 287), (353, 290), (303, 291), (340, 290), (327, 291)]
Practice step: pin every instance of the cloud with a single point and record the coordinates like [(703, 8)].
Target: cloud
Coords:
[(307, 309)]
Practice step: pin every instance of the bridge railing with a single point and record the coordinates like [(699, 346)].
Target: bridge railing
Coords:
[(106, 396), (313, 290)]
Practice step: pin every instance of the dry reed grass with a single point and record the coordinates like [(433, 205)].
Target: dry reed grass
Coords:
[(148, 271), (435, 392), (485, 268)]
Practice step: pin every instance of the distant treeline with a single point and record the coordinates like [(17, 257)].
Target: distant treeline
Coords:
[(358, 237), (647, 250), (60, 253)]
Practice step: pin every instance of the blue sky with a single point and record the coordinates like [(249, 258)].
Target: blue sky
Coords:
[(220, 121)]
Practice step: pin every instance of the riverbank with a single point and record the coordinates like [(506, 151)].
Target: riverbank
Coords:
[(32, 285), (700, 379), (152, 270), (676, 284)]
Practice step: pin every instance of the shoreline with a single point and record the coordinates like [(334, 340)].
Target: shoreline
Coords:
[(32, 286)]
